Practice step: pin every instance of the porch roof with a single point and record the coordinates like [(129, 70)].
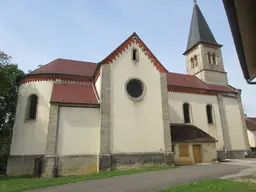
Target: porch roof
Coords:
[(183, 132)]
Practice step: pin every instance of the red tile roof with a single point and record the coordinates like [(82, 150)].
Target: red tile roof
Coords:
[(191, 81), (176, 79), (67, 67), (73, 93), (80, 68), (88, 69)]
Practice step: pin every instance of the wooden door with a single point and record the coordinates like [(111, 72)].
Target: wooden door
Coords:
[(197, 153), (38, 167)]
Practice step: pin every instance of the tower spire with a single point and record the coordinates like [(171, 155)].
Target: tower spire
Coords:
[(203, 53), (199, 30)]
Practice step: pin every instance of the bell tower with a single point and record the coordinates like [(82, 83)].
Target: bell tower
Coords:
[(203, 53)]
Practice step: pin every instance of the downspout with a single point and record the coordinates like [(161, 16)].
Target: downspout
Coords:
[(55, 169)]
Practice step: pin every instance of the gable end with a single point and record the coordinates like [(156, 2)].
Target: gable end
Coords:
[(134, 38)]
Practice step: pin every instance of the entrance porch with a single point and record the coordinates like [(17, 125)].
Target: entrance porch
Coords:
[(191, 145)]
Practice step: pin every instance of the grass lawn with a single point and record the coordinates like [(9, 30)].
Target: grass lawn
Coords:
[(215, 185), (15, 184)]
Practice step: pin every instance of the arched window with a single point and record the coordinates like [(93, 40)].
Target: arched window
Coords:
[(209, 111), (186, 113), (192, 63), (195, 60), (213, 59), (135, 55), (209, 58), (32, 107)]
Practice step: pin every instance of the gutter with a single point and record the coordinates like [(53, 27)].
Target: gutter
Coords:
[(233, 23), (250, 82)]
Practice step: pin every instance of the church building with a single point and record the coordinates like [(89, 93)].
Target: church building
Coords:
[(128, 110)]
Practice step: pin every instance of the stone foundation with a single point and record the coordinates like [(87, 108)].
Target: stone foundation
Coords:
[(70, 165), (77, 165), (250, 154), (105, 162), (84, 164), (239, 154), (221, 155), (21, 165), (49, 170), (134, 160)]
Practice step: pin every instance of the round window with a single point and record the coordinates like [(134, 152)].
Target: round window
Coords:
[(135, 88)]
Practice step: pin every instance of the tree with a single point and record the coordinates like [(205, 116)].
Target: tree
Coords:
[(9, 73), (4, 60)]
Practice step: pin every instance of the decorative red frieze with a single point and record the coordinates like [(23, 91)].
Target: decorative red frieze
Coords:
[(54, 78), (230, 96), (134, 38), (192, 91)]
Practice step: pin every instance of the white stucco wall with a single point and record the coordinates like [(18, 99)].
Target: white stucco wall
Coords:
[(98, 84), (209, 152), (235, 125), (198, 116), (251, 137), (29, 137), (135, 126), (78, 131)]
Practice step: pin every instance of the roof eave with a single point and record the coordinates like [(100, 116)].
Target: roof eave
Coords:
[(219, 91), (97, 70), (53, 74), (194, 141), (202, 42), (235, 29), (75, 104)]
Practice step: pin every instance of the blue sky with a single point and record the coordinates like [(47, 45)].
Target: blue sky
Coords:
[(37, 32)]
